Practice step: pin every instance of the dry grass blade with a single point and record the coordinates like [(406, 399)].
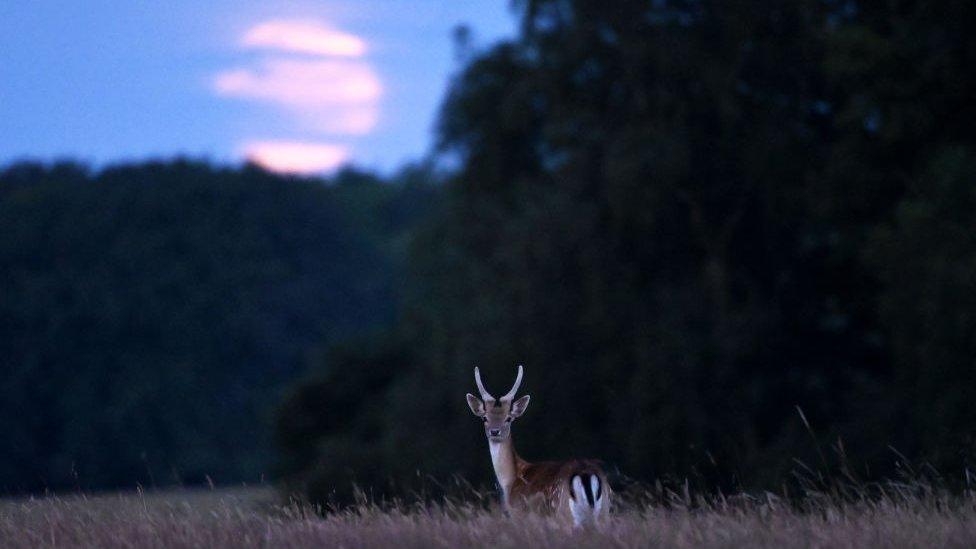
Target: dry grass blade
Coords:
[(906, 516)]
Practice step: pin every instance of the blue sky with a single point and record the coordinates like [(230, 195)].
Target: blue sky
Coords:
[(296, 85)]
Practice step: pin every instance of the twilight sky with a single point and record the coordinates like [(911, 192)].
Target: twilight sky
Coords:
[(296, 85)]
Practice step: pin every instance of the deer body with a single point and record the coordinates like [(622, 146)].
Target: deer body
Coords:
[(574, 489)]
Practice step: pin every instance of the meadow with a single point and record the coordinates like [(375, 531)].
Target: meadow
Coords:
[(903, 515)]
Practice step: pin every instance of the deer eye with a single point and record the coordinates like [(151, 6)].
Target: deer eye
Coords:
[(508, 420), (484, 419)]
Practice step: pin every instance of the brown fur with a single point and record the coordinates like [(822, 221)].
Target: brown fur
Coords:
[(544, 485), (550, 479)]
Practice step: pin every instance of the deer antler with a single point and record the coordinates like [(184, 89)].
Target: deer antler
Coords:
[(485, 395), (518, 381)]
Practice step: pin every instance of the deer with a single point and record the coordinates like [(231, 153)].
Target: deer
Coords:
[(575, 489)]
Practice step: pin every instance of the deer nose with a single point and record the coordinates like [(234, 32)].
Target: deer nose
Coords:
[(494, 432)]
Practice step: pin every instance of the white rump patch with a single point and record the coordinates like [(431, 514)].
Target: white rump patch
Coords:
[(579, 506), (597, 495)]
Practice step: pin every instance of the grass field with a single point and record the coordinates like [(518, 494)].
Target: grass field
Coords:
[(251, 518)]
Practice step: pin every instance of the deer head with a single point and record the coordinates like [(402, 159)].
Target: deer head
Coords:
[(497, 413)]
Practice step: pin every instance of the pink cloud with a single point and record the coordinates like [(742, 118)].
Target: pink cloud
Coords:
[(303, 82), (317, 74), (302, 36), (296, 157), (333, 91), (345, 120)]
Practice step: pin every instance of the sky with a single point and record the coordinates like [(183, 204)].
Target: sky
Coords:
[(295, 85)]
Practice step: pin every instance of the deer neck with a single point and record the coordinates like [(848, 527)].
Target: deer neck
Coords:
[(506, 463)]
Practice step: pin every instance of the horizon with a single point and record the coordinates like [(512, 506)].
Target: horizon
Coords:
[(293, 86)]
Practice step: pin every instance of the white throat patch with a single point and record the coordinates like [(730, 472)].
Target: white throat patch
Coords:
[(504, 463)]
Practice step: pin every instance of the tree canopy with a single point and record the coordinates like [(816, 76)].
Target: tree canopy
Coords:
[(151, 313), (687, 219)]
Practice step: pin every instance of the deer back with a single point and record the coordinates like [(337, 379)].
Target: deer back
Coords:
[(548, 482)]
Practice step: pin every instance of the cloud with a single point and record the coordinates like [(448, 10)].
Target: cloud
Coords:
[(348, 120), (303, 83), (301, 36), (329, 95), (317, 74), (338, 97), (296, 157)]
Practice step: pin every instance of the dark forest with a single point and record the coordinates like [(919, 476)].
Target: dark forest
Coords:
[(725, 239)]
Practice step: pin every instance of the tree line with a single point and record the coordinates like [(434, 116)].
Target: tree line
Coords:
[(691, 221), (151, 314)]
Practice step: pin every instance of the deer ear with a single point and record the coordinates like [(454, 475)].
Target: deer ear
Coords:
[(477, 407), (519, 406)]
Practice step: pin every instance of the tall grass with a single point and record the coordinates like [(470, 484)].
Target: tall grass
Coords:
[(891, 515)]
